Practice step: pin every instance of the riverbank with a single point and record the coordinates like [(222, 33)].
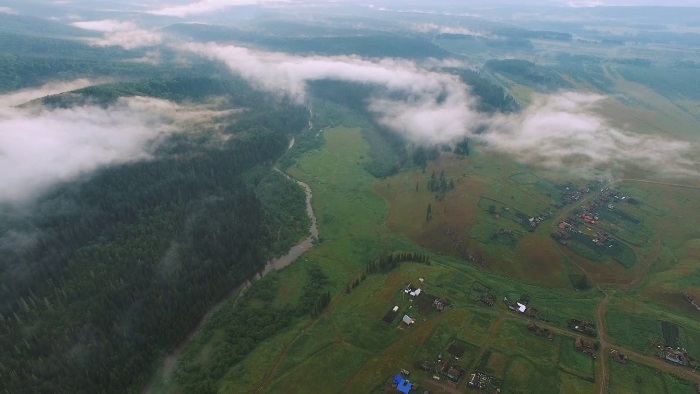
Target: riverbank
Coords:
[(273, 265)]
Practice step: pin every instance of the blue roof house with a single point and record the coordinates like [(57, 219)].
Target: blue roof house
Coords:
[(402, 384)]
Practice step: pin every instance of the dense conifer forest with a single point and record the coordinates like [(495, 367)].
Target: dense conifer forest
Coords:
[(114, 270)]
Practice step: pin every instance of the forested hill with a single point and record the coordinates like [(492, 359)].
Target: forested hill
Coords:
[(113, 271), (377, 44)]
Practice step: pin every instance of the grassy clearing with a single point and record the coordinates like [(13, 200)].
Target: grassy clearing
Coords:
[(514, 338), (522, 376), (635, 379)]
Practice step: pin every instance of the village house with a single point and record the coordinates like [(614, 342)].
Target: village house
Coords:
[(676, 356), (439, 304), (582, 326), (402, 385), (619, 357), (452, 372), (488, 299), (586, 346)]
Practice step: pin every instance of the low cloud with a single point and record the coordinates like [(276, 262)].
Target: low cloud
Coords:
[(563, 132), (288, 74), (207, 6), (560, 131), (443, 29), (41, 147), (127, 35), (22, 96)]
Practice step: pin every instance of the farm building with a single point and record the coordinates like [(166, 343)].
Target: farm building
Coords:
[(586, 346), (402, 384), (452, 372), (488, 299), (539, 331), (412, 291), (676, 356), (439, 304), (582, 326), (619, 357)]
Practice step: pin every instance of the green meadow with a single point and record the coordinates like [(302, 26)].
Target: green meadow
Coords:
[(477, 242)]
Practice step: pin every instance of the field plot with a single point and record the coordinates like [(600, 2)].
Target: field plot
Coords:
[(515, 338), (618, 219), (494, 233), (462, 352), (634, 378), (552, 192), (495, 207), (585, 245), (522, 376), (575, 362), (494, 363), (638, 327), (632, 329)]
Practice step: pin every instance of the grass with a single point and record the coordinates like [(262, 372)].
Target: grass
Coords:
[(523, 376), (350, 349), (577, 363), (634, 378)]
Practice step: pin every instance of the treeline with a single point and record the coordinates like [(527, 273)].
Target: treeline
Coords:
[(27, 70), (529, 73), (380, 46), (491, 97), (392, 260), (232, 333), (291, 37), (115, 270), (385, 263), (440, 185), (313, 298), (240, 326), (387, 149)]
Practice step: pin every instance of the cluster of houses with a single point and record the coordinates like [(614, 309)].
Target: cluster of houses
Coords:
[(606, 195), (539, 331), (521, 306), (534, 221), (571, 195), (603, 239), (582, 326), (445, 369), (588, 217), (412, 291)]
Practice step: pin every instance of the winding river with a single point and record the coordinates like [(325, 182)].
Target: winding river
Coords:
[(272, 265)]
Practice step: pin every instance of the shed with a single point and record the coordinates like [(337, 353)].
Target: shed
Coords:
[(408, 320), (402, 384), (396, 308), (521, 307)]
